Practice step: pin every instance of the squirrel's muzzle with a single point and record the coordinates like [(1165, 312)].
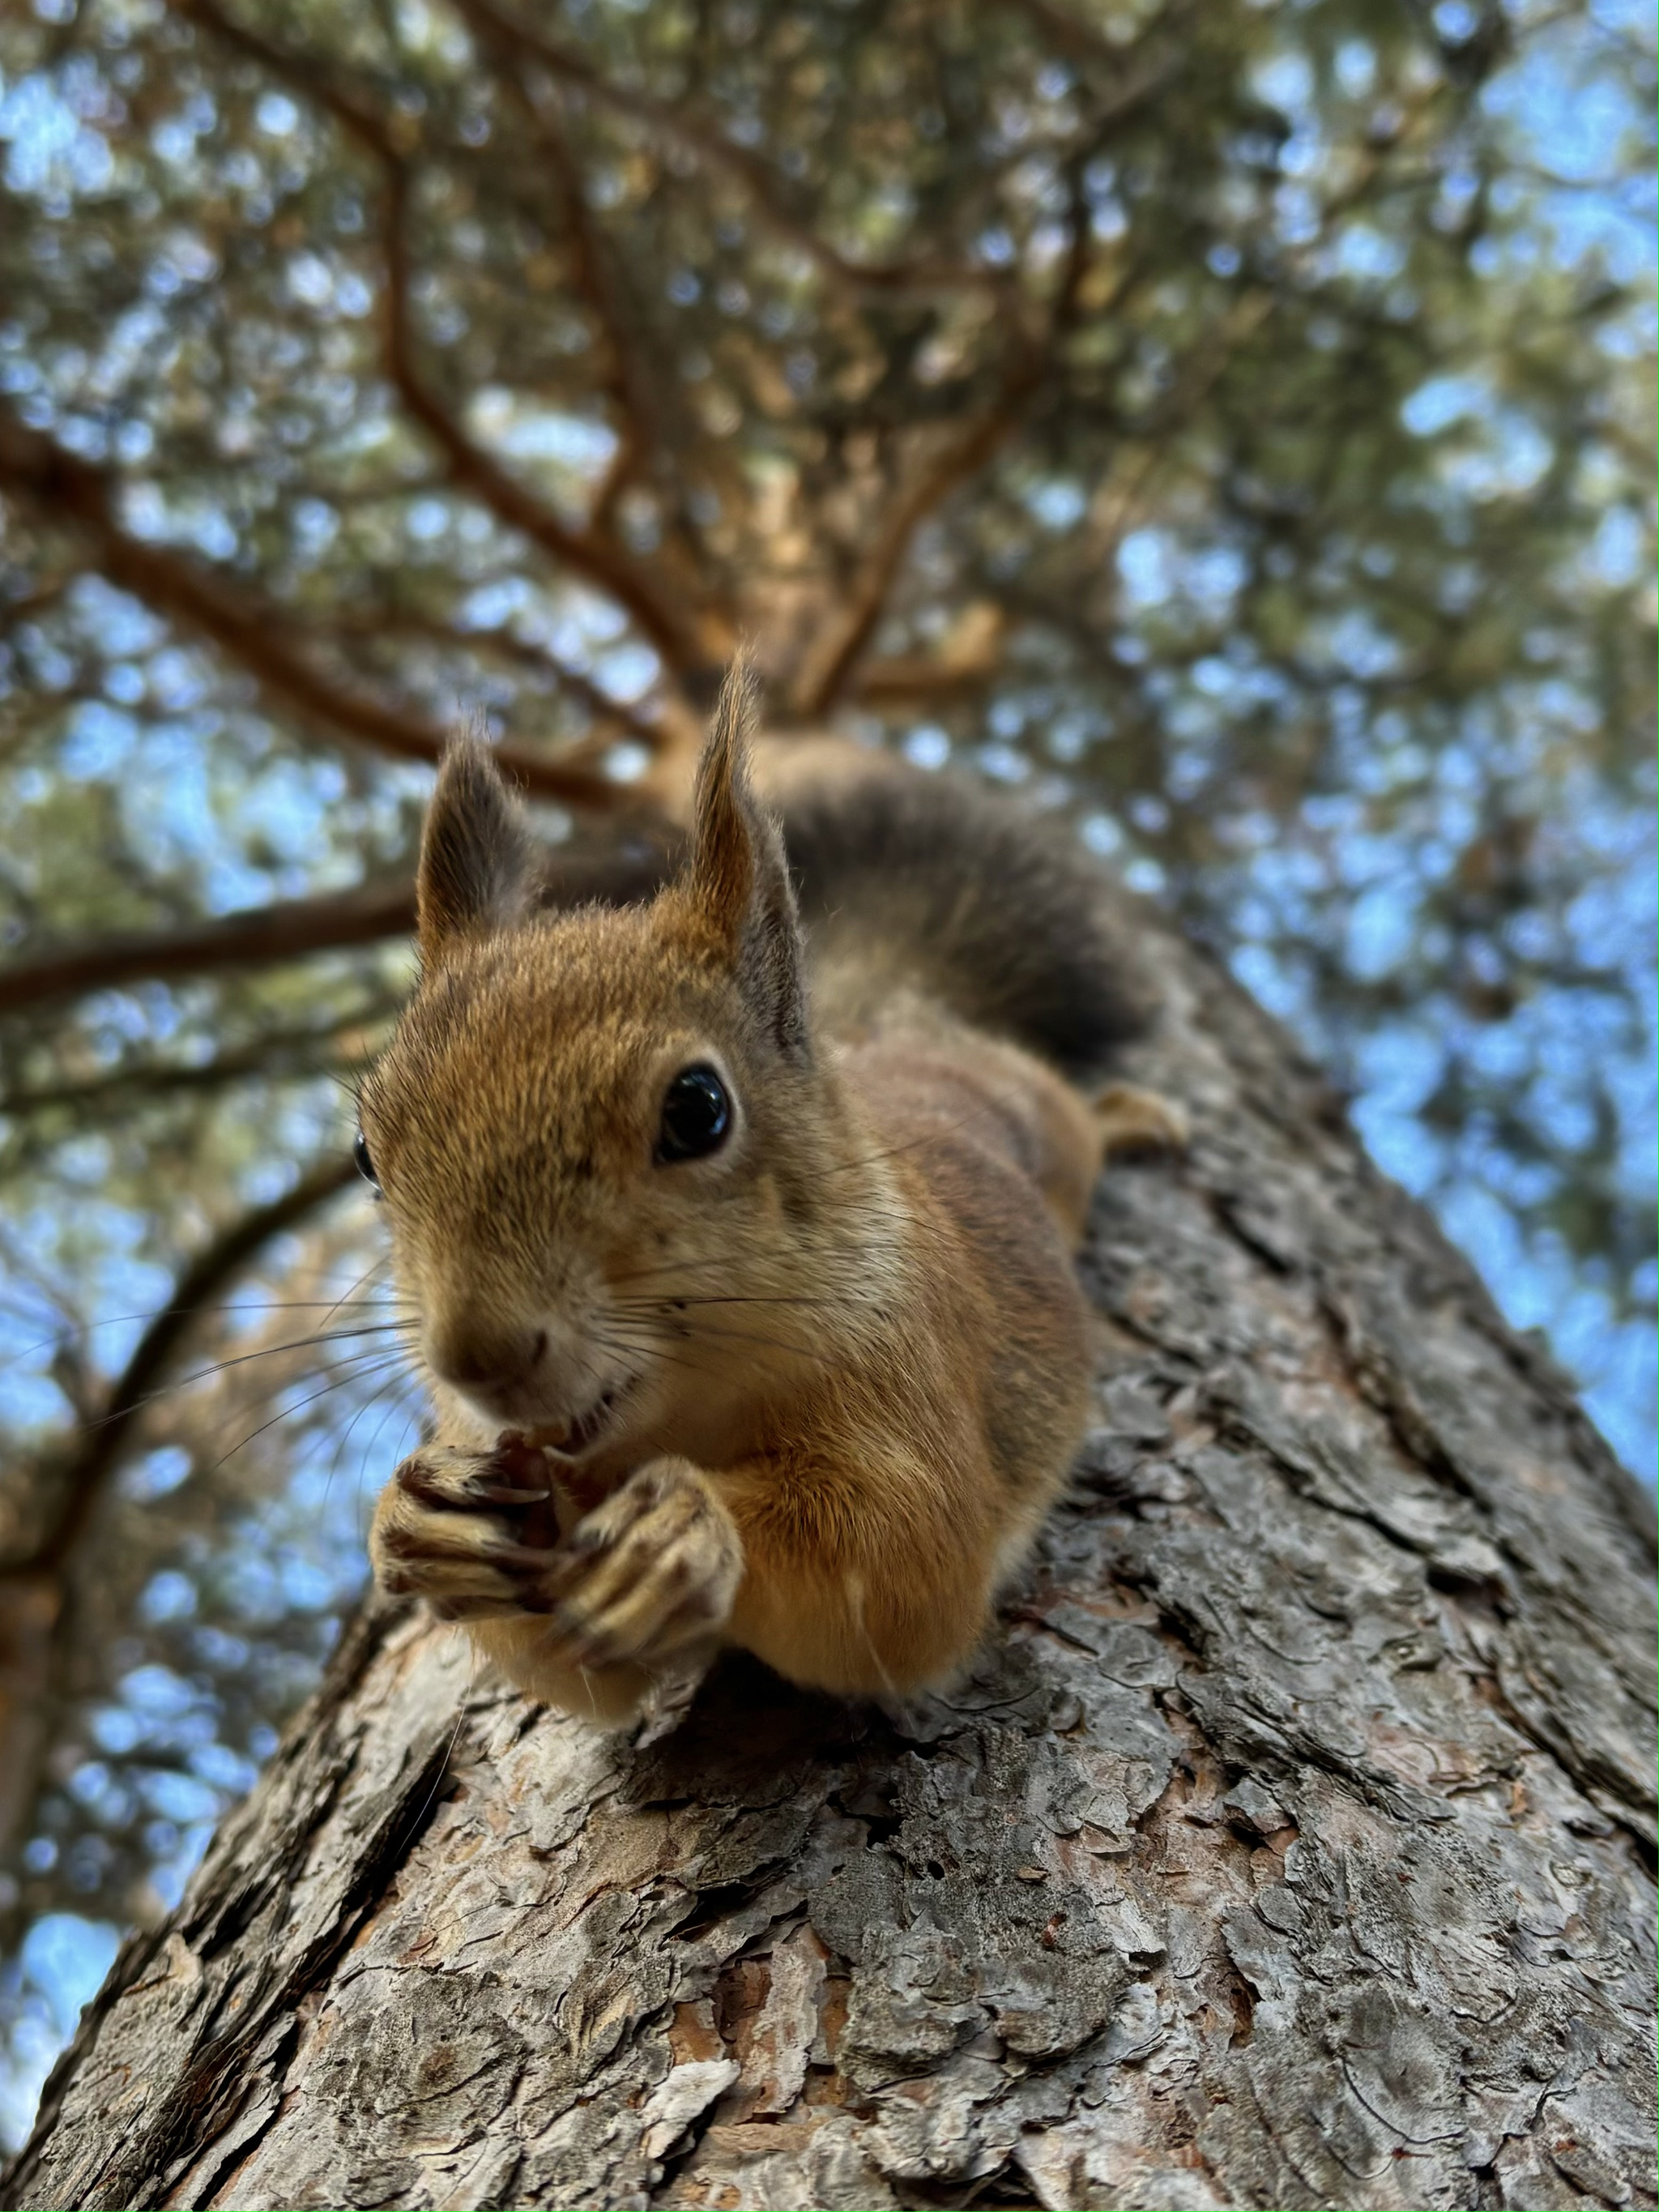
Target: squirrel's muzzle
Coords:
[(485, 1359)]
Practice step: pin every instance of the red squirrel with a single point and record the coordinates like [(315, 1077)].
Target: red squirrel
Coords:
[(739, 1226)]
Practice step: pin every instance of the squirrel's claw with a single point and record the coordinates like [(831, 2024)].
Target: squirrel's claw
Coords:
[(648, 1575), (515, 1473), (452, 1524)]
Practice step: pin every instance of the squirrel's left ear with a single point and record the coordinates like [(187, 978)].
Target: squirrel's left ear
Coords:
[(740, 878), (479, 859)]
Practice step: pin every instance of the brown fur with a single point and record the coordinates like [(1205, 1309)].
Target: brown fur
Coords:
[(851, 1357)]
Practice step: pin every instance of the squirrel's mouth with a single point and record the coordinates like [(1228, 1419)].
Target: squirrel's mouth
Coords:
[(570, 1439)]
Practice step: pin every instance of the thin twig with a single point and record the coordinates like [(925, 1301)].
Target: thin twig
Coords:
[(505, 642), (79, 1483), (593, 555), (826, 673), (761, 186)]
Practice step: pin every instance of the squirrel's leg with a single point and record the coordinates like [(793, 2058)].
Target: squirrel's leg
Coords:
[(1064, 1137), (589, 1614), (867, 1582)]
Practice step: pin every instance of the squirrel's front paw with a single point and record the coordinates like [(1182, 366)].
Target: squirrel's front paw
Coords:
[(451, 1527), (650, 1575)]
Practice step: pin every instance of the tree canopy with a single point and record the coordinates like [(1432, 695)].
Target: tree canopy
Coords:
[(1229, 423)]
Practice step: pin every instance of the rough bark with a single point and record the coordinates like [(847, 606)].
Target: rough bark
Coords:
[(1292, 1843)]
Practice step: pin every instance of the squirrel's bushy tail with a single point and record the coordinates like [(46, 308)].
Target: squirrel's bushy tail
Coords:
[(920, 885)]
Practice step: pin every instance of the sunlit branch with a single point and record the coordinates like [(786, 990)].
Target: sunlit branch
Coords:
[(65, 489), (964, 661), (908, 679), (826, 673)]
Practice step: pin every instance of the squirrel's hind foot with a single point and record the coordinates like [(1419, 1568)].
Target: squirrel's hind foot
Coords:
[(1131, 1121)]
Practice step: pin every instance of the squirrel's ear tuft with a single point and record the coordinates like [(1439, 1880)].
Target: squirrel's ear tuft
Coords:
[(479, 859), (740, 878)]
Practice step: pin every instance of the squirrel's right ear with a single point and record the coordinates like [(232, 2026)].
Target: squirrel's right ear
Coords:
[(479, 859), (740, 876)]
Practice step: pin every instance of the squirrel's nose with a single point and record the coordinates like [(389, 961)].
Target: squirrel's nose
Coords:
[(473, 1355)]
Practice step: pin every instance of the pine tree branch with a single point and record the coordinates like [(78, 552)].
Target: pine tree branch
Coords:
[(964, 660), (761, 184), (272, 1056), (628, 864), (687, 646), (80, 1481), (1084, 43), (623, 371), (287, 931), (65, 489), (505, 644), (828, 672), (683, 641), (38, 1611)]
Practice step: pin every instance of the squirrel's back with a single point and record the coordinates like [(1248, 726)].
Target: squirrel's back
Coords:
[(920, 886)]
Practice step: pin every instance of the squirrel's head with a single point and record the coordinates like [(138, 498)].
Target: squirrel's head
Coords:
[(601, 1135)]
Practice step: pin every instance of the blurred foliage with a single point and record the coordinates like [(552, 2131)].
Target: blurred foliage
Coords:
[(1229, 422)]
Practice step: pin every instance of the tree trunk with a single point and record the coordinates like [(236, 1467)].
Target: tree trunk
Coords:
[(1291, 1843)]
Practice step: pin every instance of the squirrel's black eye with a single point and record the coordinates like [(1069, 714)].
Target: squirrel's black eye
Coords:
[(365, 1165), (696, 1115)]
